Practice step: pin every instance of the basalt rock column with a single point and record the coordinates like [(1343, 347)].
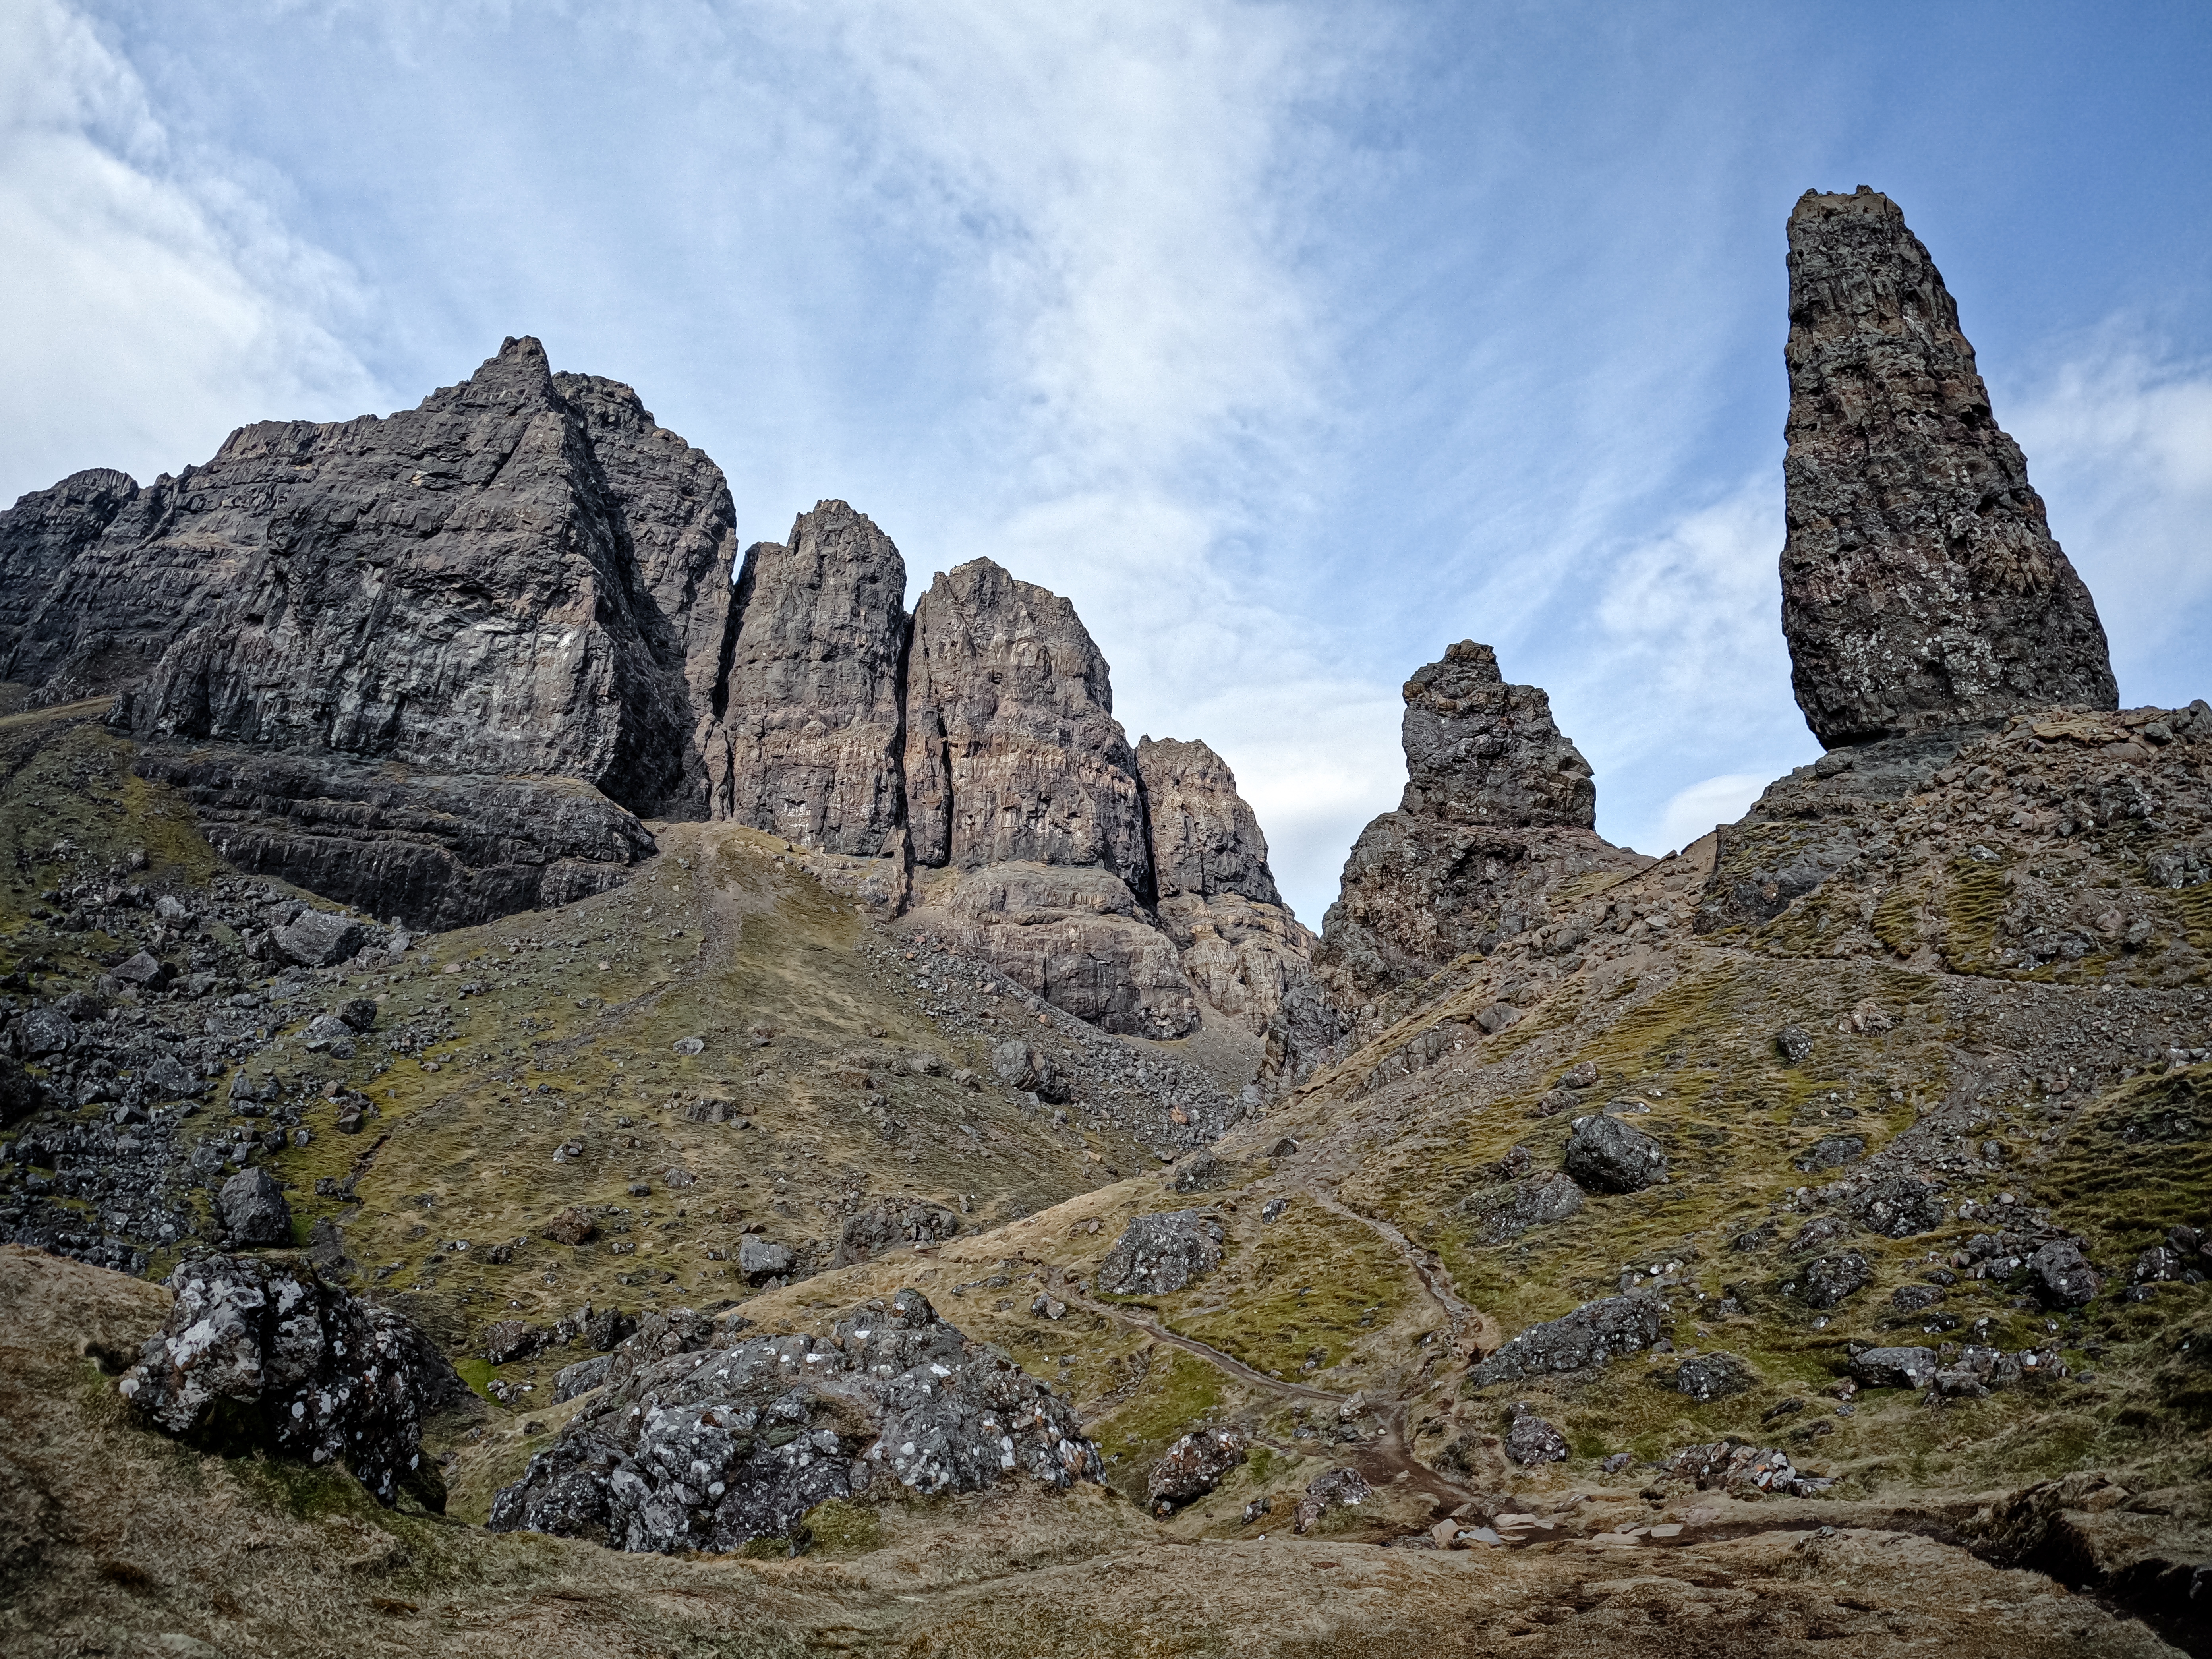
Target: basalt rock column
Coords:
[(1205, 841), (811, 731), (1496, 817), (1921, 587)]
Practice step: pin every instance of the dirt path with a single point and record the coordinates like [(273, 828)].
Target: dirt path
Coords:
[(1474, 1333), (1059, 1285)]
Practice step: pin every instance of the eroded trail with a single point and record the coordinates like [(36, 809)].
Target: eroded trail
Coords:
[(1062, 1287), (1474, 1333)]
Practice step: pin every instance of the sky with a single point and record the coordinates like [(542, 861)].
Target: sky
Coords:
[(1292, 342)]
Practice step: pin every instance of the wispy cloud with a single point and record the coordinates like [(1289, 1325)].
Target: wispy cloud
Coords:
[(152, 301)]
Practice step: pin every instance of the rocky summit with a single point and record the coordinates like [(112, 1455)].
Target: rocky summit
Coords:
[(1921, 586), (566, 1090)]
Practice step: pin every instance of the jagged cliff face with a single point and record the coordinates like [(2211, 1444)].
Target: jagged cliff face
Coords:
[(1205, 841), (1921, 587), (1493, 831), (808, 746)]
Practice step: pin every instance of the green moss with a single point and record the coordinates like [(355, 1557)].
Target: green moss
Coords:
[(1973, 904), (1179, 1390), (1897, 918), (840, 1528)]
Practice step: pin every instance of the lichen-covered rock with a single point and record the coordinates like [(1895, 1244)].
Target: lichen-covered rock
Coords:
[(711, 1450), (252, 1208), (809, 743), (1707, 1377), (1732, 1466), (259, 1352), (1531, 1441), (1826, 1280), (1338, 1488), (1496, 819), (1507, 1211), (1159, 1255), (1894, 1368), (1898, 1206), (1593, 1334), (1606, 1155), (1192, 1467), (2062, 1274), (759, 1259), (1921, 586)]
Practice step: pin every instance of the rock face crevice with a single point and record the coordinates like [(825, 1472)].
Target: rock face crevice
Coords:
[(1921, 586)]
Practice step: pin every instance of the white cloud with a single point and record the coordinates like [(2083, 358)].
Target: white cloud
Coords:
[(2118, 439), (1694, 812), (152, 304)]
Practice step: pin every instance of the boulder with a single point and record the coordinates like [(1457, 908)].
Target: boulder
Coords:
[(571, 1226), (1899, 1206), (2062, 1276), (1731, 1465), (321, 938), (1509, 1210), (1707, 1377), (264, 1353), (759, 1259), (508, 1339), (889, 1223), (254, 1210), (1830, 1152), (1792, 1044), (1192, 1467), (1894, 1367), (1018, 1065), (46, 1031), (581, 1377), (328, 1033), (1826, 1280), (1159, 1255), (1338, 1488), (1606, 1155), (1592, 1335), (711, 1450), (359, 1013), (1921, 586), (1531, 1441), (146, 971)]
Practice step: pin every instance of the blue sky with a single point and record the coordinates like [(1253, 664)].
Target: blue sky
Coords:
[(1292, 342)]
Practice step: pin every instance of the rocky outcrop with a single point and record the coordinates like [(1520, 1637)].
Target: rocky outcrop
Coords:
[(263, 1353), (1921, 586), (1494, 828), (1206, 841), (813, 724), (522, 576), (712, 1450)]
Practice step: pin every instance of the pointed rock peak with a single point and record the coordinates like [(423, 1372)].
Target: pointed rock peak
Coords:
[(835, 530), (1206, 838), (518, 377), (997, 608), (1921, 586), (1478, 751)]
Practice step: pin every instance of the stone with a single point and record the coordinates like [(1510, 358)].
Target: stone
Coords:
[(1580, 1075), (327, 1033), (1507, 1211), (142, 970), (1894, 1368), (1707, 1377), (2062, 1274), (1532, 1441), (1192, 1467), (1921, 586), (252, 1208), (320, 939), (1792, 1044), (1898, 1205), (809, 745), (581, 1378), (1336, 1488), (258, 1354), (1012, 753), (1607, 1156), (571, 1226), (1830, 1152), (508, 1339), (44, 1032), (1206, 841), (1914, 1299), (1731, 1465), (889, 1223), (1495, 821), (2159, 1263), (1159, 1255), (1019, 1066), (358, 1013), (713, 1449), (1826, 1280), (1596, 1331), (759, 1259)]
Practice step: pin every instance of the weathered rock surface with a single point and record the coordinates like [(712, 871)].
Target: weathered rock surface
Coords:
[(1921, 586), (1732, 1466), (1159, 1255), (1206, 841), (1192, 1467), (1608, 1155), (1532, 1441), (254, 1210), (809, 745), (41, 537), (889, 1222), (711, 1450), (263, 1352), (1593, 1334), (1495, 822)]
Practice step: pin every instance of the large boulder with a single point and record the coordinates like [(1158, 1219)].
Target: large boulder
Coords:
[(1894, 1368), (1921, 586), (759, 1259), (1593, 1334), (1192, 1467), (254, 1210), (321, 938), (1606, 1155), (711, 1450), (1159, 1255), (263, 1353), (2063, 1275)]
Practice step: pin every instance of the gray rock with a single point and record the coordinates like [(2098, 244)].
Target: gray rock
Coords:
[(1593, 1334), (1731, 1465), (759, 1259), (711, 1450), (2159, 1263), (1894, 1367), (1792, 1044), (1921, 586), (1338, 1488), (166, 1077), (1192, 1467), (1914, 1299), (254, 1210), (1507, 1211), (1159, 1255), (142, 970), (2063, 1275), (358, 1013), (1532, 1441), (505, 1340), (889, 1222), (1707, 1376), (581, 1377), (1607, 1156), (321, 938), (328, 1033), (1899, 1206), (1826, 1280), (47, 1032), (263, 1353), (809, 744), (1018, 1065), (1832, 1153), (1205, 841)]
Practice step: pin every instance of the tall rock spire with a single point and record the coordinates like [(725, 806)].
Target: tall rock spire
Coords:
[(1920, 584)]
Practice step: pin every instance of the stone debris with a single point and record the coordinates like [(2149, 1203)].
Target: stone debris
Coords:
[(1531, 1440), (263, 1353), (710, 1449), (1593, 1334), (1192, 1467), (1338, 1488), (1159, 1255), (1826, 1280), (1707, 1377), (1607, 1156), (889, 1223), (1734, 1465), (254, 1210)]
